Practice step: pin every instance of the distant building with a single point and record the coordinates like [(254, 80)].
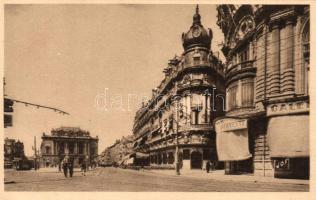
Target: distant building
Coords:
[(115, 153), (266, 127), (73, 141), (13, 152)]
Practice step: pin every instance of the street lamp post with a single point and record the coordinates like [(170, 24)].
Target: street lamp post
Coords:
[(177, 149), (177, 139)]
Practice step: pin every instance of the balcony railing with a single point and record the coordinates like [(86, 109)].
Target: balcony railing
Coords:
[(239, 66)]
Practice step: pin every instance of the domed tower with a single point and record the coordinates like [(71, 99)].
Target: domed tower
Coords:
[(201, 85), (196, 42)]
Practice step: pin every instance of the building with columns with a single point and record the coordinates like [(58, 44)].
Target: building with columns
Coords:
[(73, 141), (177, 122), (267, 82)]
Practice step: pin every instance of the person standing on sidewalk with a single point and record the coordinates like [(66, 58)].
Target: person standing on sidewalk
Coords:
[(84, 167), (208, 166)]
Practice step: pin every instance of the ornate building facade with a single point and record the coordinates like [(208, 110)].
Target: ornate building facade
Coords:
[(176, 123), (73, 141), (266, 78), (13, 151)]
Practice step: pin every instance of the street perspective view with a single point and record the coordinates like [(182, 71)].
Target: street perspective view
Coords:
[(149, 97)]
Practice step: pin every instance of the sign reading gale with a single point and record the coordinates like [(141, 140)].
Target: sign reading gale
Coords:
[(287, 108), (230, 125)]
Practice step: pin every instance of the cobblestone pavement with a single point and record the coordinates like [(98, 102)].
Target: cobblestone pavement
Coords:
[(112, 179)]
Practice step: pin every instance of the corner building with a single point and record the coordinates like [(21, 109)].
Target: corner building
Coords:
[(266, 77), (182, 108)]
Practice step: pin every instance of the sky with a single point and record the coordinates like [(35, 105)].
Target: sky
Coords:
[(95, 62)]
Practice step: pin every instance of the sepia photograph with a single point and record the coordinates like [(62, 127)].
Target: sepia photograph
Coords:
[(195, 97)]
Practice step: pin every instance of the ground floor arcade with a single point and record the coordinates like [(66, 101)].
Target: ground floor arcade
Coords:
[(190, 157)]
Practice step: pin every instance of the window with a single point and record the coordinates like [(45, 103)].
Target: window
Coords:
[(170, 158), (244, 55), (306, 54), (206, 154), (71, 147), (195, 117), (232, 96), (247, 92), (80, 148), (47, 150), (196, 60), (186, 154), (164, 158)]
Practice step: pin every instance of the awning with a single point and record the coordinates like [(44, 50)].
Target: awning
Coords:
[(130, 161), (288, 136), (232, 139)]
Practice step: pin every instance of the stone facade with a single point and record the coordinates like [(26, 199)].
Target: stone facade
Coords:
[(73, 141), (176, 123), (266, 75)]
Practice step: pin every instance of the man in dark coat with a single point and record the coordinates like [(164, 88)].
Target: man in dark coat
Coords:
[(65, 164), (71, 166), (208, 165)]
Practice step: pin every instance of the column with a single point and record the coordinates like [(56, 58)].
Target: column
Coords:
[(287, 54), (75, 147), (88, 148), (84, 148), (189, 108), (206, 108), (66, 147), (54, 148), (273, 68), (238, 95), (57, 147), (260, 65), (210, 106)]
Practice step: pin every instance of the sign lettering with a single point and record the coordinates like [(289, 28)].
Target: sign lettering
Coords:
[(287, 108)]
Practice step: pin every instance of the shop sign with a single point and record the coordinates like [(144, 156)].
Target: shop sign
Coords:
[(287, 108), (230, 125), (282, 164)]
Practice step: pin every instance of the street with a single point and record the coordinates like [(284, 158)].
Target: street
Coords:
[(116, 179)]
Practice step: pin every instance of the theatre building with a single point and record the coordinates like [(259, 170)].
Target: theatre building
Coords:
[(182, 108), (73, 141), (265, 130)]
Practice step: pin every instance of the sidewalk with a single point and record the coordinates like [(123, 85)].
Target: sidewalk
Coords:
[(220, 176)]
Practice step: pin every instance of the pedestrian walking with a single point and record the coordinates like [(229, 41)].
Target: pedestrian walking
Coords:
[(208, 166), (84, 167), (65, 164), (71, 167)]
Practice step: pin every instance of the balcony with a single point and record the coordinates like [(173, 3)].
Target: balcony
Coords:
[(194, 83), (246, 67), (240, 66)]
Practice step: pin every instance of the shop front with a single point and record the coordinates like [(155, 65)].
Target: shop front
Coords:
[(232, 145), (289, 146), (288, 137)]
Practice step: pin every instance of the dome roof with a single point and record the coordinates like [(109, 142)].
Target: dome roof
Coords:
[(197, 35)]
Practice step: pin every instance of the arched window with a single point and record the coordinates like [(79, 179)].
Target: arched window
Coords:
[(305, 48)]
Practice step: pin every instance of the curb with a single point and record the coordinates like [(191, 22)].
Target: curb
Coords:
[(277, 181)]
